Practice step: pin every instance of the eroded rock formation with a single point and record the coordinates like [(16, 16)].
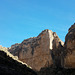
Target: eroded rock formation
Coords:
[(70, 48), (11, 66), (37, 51), (2, 48)]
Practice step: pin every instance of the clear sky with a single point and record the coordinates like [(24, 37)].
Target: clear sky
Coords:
[(22, 19)]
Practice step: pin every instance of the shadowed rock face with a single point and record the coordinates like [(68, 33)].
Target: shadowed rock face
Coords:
[(56, 71), (46, 50), (70, 47), (36, 51), (11, 66)]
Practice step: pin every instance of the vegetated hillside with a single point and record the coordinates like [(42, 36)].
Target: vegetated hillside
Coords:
[(10, 66)]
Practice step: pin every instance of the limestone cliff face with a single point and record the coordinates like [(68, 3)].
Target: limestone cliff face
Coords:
[(70, 47), (36, 51)]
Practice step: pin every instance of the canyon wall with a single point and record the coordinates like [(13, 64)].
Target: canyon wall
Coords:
[(37, 51), (70, 48)]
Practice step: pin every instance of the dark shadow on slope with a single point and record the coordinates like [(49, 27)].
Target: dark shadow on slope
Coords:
[(9, 66), (56, 71)]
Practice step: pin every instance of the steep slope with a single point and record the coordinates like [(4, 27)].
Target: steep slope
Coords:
[(36, 51), (67, 54), (11, 66), (47, 53), (70, 48)]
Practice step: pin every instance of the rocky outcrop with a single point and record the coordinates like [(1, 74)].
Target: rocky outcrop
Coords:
[(14, 49), (2, 48), (37, 51), (12, 66), (65, 54), (70, 48)]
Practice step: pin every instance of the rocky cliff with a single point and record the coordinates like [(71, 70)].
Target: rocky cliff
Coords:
[(46, 53), (11, 66), (2, 48), (70, 48), (37, 51)]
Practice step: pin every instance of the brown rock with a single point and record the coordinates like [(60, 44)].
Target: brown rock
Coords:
[(70, 48), (11, 66), (14, 49), (36, 51)]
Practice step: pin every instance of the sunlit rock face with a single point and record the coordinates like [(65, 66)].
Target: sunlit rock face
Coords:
[(2, 48), (70, 47), (36, 51)]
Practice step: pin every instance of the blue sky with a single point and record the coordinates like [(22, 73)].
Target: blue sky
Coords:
[(22, 19)]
